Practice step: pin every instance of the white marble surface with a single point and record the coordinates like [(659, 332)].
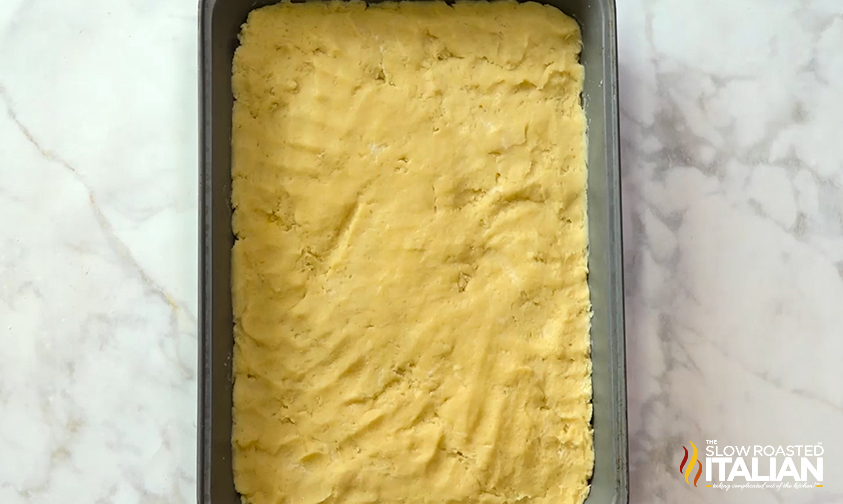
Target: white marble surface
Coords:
[(732, 128)]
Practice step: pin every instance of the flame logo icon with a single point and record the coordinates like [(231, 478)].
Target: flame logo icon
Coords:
[(687, 470)]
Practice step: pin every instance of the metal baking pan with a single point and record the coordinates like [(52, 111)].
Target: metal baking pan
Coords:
[(220, 22)]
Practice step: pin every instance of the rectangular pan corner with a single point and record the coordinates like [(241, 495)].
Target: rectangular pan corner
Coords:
[(219, 24)]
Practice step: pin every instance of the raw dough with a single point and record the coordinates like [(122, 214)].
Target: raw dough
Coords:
[(409, 276)]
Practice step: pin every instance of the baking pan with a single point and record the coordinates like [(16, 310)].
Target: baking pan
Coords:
[(219, 24)]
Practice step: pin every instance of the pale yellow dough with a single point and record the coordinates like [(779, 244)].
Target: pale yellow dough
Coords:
[(409, 276)]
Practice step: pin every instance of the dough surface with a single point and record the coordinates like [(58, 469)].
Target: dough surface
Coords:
[(409, 275)]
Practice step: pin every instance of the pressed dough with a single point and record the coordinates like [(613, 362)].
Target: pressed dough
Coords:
[(409, 273)]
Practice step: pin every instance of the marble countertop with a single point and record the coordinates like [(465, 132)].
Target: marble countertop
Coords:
[(732, 166)]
